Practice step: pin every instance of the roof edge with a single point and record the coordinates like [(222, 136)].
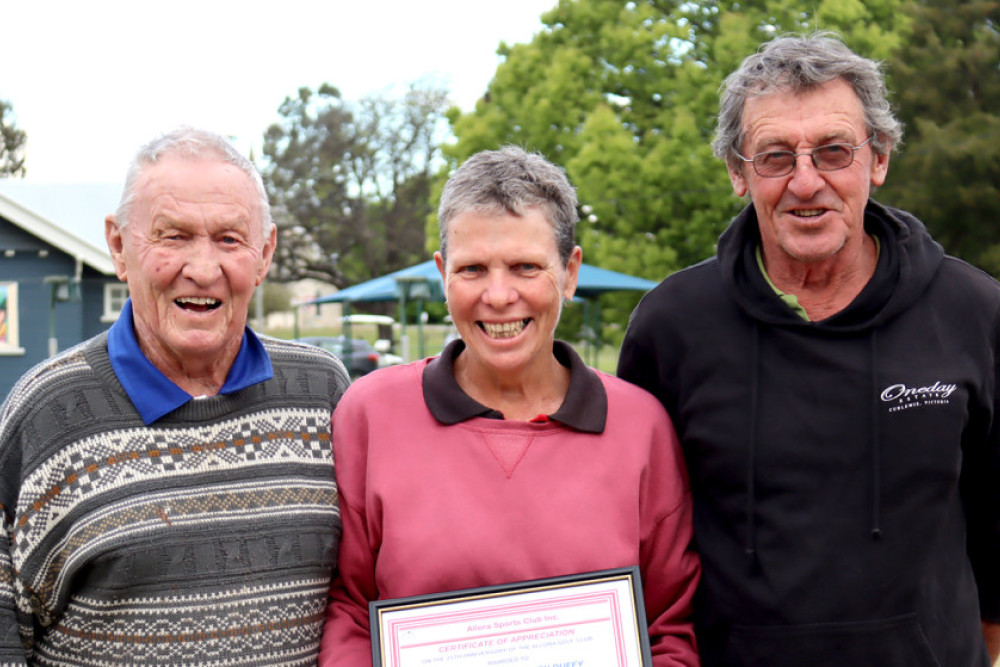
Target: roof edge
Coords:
[(55, 235)]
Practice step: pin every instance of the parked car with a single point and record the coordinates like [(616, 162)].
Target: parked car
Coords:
[(385, 355), (385, 345), (363, 357)]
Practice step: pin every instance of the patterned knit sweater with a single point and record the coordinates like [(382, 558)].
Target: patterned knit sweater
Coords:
[(205, 538)]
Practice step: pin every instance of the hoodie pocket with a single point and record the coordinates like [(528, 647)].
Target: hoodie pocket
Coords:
[(888, 642)]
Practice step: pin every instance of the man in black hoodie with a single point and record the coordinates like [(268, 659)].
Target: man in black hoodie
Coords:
[(832, 375)]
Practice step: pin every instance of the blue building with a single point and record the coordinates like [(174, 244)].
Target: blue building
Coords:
[(57, 283)]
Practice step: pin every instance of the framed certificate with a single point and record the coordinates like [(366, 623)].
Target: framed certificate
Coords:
[(591, 619)]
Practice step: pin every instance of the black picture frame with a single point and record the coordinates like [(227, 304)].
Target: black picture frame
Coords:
[(500, 597)]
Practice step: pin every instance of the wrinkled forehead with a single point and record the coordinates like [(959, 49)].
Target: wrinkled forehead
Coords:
[(831, 108), (177, 185)]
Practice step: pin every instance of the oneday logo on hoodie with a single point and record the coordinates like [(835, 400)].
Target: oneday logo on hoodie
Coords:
[(903, 397)]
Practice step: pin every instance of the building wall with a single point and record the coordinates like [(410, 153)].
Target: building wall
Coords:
[(310, 318), (92, 296), (14, 238), (28, 261)]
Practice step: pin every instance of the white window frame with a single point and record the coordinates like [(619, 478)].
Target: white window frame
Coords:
[(115, 295)]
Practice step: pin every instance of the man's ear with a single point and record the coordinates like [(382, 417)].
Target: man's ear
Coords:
[(116, 245), (737, 178), (267, 254), (880, 165)]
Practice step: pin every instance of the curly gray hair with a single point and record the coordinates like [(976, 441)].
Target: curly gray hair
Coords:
[(797, 64)]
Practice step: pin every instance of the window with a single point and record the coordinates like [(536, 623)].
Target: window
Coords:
[(9, 343), (115, 295)]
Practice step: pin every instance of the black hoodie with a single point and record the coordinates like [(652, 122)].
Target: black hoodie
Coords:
[(846, 472)]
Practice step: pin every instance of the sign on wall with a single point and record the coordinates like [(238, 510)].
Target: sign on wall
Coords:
[(8, 316)]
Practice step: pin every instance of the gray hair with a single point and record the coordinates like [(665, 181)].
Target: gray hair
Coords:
[(798, 64), (511, 180), (195, 143)]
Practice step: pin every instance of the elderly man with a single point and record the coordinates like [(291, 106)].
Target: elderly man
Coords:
[(832, 375), (167, 486)]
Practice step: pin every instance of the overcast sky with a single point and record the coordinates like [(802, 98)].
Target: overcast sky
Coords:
[(92, 81)]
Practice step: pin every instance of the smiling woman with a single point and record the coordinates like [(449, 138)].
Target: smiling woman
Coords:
[(505, 284), (506, 459)]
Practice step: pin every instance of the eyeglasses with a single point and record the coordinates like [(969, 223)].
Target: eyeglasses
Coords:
[(831, 157)]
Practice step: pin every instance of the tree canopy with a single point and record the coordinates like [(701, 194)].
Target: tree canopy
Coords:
[(350, 183), (946, 78), (11, 143), (624, 95)]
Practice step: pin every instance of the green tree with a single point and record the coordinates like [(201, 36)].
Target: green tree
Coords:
[(946, 80), (624, 94), (11, 143), (277, 297), (350, 183)]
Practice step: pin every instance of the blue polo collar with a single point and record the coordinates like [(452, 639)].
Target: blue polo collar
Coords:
[(151, 392)]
